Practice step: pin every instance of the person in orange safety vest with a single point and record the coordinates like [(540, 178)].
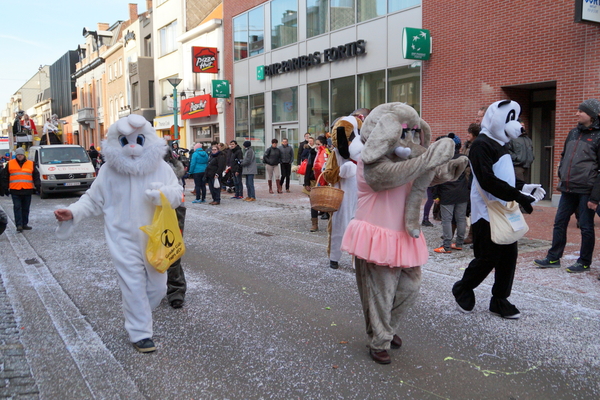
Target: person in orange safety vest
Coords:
[(20, 178)]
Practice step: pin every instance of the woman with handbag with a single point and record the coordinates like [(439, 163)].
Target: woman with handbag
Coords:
[(316, 162), (214, 169)]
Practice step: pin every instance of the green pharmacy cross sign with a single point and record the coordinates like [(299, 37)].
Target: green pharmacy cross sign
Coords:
[(416, 44), (221, 89)]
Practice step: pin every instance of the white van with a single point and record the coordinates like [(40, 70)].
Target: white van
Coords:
[(63, 168)]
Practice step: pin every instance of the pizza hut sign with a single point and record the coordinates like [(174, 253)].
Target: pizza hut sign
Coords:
[(199, 106), (204, 59)]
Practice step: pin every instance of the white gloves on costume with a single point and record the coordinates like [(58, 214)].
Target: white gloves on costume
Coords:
[(153, 194), (403, 152), (535, 190)]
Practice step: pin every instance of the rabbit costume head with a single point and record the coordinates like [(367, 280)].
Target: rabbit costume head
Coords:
[(132, 146)]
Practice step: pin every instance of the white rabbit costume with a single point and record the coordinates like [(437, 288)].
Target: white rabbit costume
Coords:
[(126, 192)]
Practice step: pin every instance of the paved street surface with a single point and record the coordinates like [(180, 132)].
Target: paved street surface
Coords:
[(266, 318)]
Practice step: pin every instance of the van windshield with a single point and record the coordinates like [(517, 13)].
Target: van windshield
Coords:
[(64, 155)]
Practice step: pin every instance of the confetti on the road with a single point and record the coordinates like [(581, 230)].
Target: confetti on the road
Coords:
[(488, 372)]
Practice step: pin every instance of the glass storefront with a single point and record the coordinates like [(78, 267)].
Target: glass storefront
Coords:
[(368, 9), (404, 85), (371, 89), (342, 97), (285, 104), (318, 108)]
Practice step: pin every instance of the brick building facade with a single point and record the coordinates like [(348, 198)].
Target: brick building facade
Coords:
[(533, 53)]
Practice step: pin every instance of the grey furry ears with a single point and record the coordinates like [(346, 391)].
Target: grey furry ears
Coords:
[(342, 142)]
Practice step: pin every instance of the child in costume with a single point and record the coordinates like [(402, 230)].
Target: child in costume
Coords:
[(127, 193), (394, 170)]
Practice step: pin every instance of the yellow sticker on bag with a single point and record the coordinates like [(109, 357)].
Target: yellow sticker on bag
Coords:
[(165, 242)]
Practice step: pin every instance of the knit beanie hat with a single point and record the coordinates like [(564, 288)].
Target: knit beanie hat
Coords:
[(247, 143), (591, 107), (197, 146), (19, 151)]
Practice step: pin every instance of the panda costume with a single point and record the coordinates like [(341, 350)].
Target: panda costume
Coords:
[(493, 172), (126, 192)]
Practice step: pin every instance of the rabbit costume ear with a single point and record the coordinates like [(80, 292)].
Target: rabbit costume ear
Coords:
[(425, 134), (382, 139)]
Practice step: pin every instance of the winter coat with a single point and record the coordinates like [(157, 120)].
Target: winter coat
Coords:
[(578, 168), (216, 165), (287, 154), (301, 151), (453, 192), (249, 162), (235, 158), (199, 162), (272, 156), (521, 151)]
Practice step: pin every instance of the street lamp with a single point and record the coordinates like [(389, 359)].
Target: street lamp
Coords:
[(175, 82)]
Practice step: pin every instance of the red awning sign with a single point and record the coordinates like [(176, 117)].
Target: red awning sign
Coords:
[(200, 106)]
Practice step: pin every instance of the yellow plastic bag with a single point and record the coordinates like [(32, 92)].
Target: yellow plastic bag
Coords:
[(165, 242)]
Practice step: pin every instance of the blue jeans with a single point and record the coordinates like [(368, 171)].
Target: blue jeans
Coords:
[(569, 202), (250, 186), (200, 185), (21, 206), (238, 185)]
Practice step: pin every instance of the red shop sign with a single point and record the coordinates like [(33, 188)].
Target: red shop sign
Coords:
[(204, 59), (199, 106)]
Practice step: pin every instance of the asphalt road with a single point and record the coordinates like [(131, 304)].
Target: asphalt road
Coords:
[(266, 318)]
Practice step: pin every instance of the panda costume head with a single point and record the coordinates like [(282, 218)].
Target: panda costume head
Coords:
[(500, 121), (132, 146)]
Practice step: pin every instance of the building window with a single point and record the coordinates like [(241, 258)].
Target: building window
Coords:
[(284, 23), (135, 96), (404, 85), (285, 104), (242, 123), (342, 13), (148, 46), (342, 97), (150, 94), (250, 122), (368, 9), (168, 42), (371, 89), (111, 112), (318, 108), (166, 95), (240, 37), (256, 31), (120, 67), (317, 17), (99, 93), (396, 5), (110, 73), (202, 134)]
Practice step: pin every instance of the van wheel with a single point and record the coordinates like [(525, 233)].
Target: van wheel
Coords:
[(43, 195)]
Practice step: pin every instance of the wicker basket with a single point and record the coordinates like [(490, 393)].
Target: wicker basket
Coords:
[(326, 198)]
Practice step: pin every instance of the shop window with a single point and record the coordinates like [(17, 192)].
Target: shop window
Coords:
[(257, 124), (317, 17), (168, 42), (284, 23), (242, 124), (371, 89), (285, 104), (202, 134), (397, 5), (342, 97), (240, 37), (342, 13), (368, 9), (318, 108), (404, 85), (256, 31)]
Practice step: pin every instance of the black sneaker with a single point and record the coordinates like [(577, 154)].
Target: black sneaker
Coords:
[(578, 267), (547, 263), (334, 264), (465, 300), (503, 308), (426, 222), (19, 228), (27, 227), (145, 346)]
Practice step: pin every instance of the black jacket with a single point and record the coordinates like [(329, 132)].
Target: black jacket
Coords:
[(216, 165), (272, 156), (310, 175), (578, 168), (453, 192), (300, 151), (235, 159)]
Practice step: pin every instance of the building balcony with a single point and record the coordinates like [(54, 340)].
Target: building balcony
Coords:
[(124, 111), (86, 115)]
